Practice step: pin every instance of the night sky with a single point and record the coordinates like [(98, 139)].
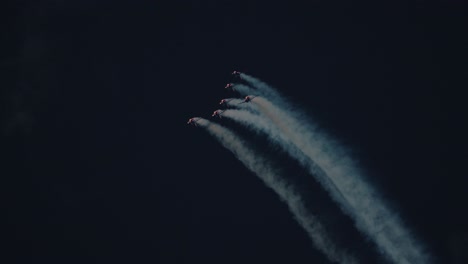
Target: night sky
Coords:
[(99, 165)]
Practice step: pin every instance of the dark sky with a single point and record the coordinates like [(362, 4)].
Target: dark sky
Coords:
[(100, 167)]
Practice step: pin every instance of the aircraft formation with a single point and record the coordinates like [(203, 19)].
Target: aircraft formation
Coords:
[(223, 102), (325, 161)]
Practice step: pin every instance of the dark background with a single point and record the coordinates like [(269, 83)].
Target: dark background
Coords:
[(99, 165)]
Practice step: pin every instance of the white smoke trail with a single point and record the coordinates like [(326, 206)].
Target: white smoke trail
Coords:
[(257, 88), (234, 102), (237, 103), (259, 124), (367, 209), (243, 89), (286, 190)]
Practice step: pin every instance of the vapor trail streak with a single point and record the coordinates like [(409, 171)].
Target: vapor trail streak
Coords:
[(237, 103), (286, 190), (243, 89), (233, 101), (259, 124), (260, 88), (363, 204)]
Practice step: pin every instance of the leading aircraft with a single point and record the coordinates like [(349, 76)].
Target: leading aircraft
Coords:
[(193, 121)]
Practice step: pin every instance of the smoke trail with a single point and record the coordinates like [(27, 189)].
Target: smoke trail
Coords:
[(287, 191), (259, 124), (243, 89), (261, 88), (366, 208), (240, 104), (234, 102)]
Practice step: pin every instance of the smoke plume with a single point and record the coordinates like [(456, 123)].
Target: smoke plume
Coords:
[(285, 190)]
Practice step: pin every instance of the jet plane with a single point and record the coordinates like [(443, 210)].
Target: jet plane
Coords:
[(236, 73), (248, 98), (193, 121), (229, 85), (217, 113), (224, 101)]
